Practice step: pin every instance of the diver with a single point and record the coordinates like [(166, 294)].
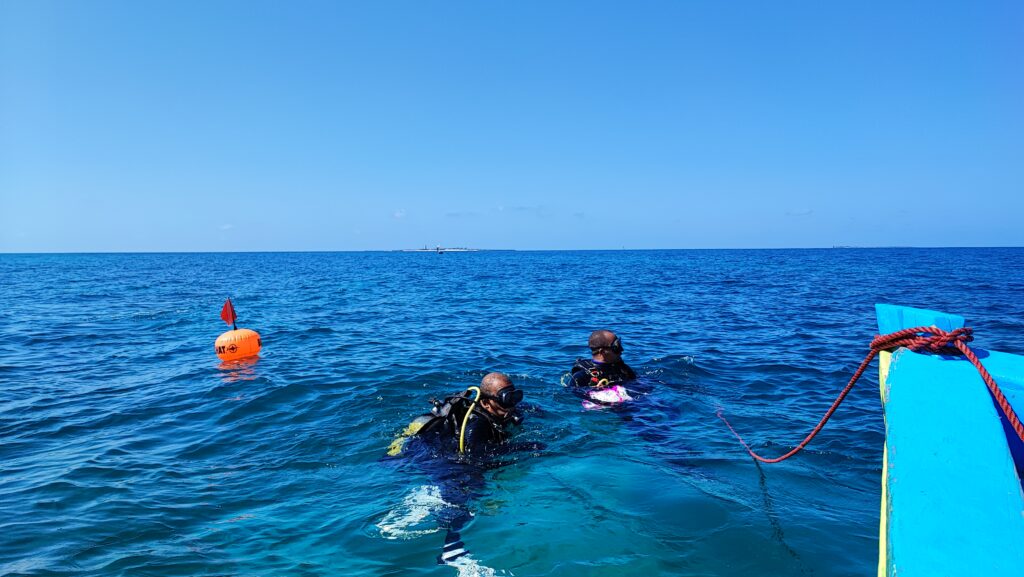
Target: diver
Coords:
[(472, 422), (457, 441), (600, 380)]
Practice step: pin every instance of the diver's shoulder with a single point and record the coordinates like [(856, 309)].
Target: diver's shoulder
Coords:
[(628, 370), (582, 364), (582, 372)]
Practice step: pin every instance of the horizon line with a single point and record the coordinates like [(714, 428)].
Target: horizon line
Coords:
[(835, 247)]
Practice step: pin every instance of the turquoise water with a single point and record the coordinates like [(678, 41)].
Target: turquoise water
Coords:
[(128, 449)]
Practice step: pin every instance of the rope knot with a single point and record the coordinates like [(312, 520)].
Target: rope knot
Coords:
[(940, 341), (930, 339)]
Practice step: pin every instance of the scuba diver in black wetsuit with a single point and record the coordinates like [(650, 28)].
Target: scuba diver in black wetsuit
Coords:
[(471, 423), (459, 439), (600, 380)]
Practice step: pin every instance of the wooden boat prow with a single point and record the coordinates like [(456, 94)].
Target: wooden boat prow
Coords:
[(952, 498)]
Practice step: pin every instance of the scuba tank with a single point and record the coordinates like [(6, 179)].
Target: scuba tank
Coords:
[(453, 412)]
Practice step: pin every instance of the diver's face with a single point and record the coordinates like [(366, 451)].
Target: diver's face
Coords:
[(606, 355), (494, 408)]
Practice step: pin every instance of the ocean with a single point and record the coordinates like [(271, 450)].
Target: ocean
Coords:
[(128, 448)]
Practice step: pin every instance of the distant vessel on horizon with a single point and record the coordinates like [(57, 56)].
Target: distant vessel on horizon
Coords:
[(440, 249), (855, 246)]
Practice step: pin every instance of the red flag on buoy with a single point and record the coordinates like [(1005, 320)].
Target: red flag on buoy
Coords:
[(236, 343), (228, 313)]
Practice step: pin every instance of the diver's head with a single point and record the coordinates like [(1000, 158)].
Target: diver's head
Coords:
[(498, 396), (605, 346)]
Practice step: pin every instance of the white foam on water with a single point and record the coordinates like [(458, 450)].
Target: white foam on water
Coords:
[(467, 566), (406, 522), (417, 506)]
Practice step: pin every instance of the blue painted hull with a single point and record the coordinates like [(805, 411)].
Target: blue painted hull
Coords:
[(952, 498)]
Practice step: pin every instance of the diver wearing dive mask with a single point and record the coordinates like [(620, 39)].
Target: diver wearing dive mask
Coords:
[(598, 380), (502, 404), (496, 409), (471, 421)]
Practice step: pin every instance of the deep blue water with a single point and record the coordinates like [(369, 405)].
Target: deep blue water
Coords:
[(126, 448)]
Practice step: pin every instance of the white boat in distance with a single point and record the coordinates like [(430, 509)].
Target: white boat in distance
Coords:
[(440, 249)]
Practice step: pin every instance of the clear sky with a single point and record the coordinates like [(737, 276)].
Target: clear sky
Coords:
[(210, 126)]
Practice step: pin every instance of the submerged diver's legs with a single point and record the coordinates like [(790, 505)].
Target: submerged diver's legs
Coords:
[(458, 484), (453, 548)]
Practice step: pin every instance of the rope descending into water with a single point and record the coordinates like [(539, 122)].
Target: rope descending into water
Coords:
[(934, 340)]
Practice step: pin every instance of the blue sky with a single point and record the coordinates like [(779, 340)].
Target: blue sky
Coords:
[(223, 126)]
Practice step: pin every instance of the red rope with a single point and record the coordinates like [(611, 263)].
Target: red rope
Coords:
[(934, 340)]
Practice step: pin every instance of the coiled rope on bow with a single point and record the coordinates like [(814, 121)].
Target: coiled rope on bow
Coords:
[(930, 339)]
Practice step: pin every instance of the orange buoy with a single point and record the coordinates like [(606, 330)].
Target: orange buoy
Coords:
[(237, 344)]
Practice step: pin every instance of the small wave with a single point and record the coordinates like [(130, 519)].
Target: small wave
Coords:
[(406, 520), (467, 566)]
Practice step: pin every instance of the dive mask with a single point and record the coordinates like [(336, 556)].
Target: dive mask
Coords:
[(615, 347), (508, 397)]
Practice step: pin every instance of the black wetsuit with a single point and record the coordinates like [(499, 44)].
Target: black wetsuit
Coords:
[(587, 374), (458, 475), (484, 433)]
